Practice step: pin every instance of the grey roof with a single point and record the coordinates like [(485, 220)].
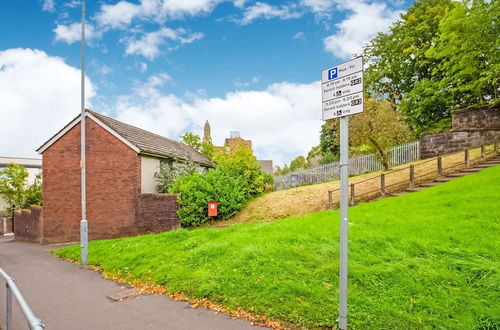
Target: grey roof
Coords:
[(153, 144)]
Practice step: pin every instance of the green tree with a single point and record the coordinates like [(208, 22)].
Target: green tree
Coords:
[(205, 147), (440, 56), (192, 140), (34, 193), (398, 58), (298, 163), (13, 184), (242, 162), (467, 50), (377, 129), (330, 137)]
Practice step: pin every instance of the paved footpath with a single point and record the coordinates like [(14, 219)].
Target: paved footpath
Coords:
[(68, 297)]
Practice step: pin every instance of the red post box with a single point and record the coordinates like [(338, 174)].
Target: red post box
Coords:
[(212, 209)]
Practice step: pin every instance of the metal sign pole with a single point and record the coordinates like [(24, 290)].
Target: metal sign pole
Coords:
[(342, 91), (83, 223), (344, 194)]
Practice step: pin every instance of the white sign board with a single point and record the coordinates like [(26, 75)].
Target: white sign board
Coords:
[(342, 89)]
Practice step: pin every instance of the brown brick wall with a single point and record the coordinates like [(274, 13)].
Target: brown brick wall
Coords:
[(5, 225), (157, 212), (28, 224), (113, 181), (470, 129)]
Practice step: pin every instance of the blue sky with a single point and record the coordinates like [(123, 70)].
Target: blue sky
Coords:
[(169, 65)]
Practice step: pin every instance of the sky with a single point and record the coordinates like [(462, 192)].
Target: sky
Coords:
[(169, 65)]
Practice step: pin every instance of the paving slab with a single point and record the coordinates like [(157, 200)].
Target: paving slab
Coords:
[(66, 296)]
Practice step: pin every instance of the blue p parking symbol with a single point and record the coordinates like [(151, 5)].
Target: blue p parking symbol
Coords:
[(332, 73)]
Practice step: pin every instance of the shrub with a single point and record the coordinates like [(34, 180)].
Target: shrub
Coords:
[(168, 173), (34, 195), (242, 162), (196, 191)]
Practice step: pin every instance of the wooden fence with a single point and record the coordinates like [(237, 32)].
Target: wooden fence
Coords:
[(398, 155), (412, 175)]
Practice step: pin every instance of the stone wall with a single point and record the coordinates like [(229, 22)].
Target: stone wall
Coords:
[(470, 129), (157, 213), (28, 224)]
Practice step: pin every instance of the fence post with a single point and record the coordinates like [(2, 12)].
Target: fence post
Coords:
[(483, 152), (467, 158), (353, 196), (412, 175), (440, 166), (9, 307), (382, 184), (329, 199)]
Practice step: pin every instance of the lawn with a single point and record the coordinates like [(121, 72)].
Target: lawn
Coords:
[(314, 198), (423, 260)]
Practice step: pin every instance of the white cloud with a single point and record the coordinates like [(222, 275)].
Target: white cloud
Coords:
[(299, 36), (49, 5), (124, 12), (272, 117), (319, 6), (143, 67), (239, 83), (266, 11), (149, 44), (118, 15), (40, 94), (365, 21), (72, 33)]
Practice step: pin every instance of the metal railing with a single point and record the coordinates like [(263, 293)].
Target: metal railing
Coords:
[(34, 323), (398, 155)]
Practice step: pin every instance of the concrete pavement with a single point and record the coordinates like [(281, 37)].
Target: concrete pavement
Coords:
[(65, 296)]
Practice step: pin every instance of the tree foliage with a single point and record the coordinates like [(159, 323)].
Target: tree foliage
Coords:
[(15, 189), (13, 179), (440, 56), (205, 147), (377, 129), (34, 192), (242, 162)]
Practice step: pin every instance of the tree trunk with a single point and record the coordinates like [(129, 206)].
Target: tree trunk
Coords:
[(382, 154)]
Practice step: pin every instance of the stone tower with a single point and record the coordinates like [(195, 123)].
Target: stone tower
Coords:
[(206, 132)]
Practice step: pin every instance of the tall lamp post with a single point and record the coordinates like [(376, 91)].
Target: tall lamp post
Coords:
[(83, 223)]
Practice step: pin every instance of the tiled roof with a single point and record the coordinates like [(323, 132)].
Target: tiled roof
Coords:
[(150, 143)]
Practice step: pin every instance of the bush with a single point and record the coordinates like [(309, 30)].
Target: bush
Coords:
[(196, 191), (242, 162), (34, 194), (168, 173)]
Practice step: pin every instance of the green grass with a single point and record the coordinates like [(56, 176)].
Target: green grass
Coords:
[(422, 260)]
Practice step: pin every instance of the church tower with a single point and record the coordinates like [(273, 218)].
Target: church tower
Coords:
[(206, 132)]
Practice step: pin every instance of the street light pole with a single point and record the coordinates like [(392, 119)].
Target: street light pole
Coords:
[(83, 222)]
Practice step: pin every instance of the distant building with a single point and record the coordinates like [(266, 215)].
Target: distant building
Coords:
[(266, 166), (32, 165), (234, 141), (207, 135)]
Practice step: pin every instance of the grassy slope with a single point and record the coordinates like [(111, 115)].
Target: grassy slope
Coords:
[(427, 259), (314, 198)]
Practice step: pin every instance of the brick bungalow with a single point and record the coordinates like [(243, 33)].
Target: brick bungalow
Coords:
[(121, 190)]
